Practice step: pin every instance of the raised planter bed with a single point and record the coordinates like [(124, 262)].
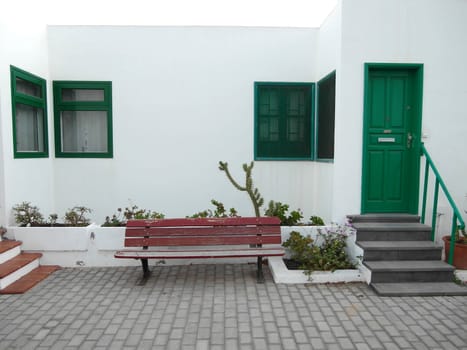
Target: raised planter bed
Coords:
[(281, 274), (56, 238)]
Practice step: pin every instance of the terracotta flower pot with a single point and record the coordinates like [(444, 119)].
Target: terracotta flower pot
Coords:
[(460, 253)]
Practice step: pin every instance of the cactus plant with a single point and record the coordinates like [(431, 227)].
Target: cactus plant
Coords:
[(253, 193)]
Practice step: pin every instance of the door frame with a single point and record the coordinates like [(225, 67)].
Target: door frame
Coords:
[(417, 70)]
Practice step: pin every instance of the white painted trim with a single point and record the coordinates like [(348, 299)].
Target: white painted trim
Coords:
[(281, 274), (10, 254)]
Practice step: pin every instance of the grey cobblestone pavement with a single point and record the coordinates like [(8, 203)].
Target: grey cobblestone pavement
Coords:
[(220, 307)]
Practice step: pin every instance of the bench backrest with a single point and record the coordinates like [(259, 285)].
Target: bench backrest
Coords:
[(203, 231)]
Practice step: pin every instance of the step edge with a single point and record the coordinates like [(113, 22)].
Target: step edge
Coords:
[(31, 257), (18, 273), (407, 266), (396, 228), (49, 269), (401, 247), (14, 244), (10, 254), (379, 289)]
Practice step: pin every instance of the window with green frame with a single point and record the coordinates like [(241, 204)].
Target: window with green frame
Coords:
[(83, 119), (29, 110), (325, 117), (283, 121)]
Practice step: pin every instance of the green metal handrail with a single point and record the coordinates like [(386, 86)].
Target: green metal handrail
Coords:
[(457, 221)]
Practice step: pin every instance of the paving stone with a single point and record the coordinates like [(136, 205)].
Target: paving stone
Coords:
[(202, 307)]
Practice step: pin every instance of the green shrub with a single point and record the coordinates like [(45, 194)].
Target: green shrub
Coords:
[(281, 211), (76, 216), (316, 221), (27, 214), (326, 253), (219, 211), (131, 213)]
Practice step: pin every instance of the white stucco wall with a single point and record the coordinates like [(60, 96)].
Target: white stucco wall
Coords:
[(430, 32), (24, 45), (328, 60), (182, 101)]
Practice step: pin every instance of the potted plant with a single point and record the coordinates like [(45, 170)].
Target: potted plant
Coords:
[(460, 249)]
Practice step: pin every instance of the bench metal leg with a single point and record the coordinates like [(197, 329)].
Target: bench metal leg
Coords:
[(259, 272), (146, 272)]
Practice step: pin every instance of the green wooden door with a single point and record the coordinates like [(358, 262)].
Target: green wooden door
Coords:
[(391, 154)]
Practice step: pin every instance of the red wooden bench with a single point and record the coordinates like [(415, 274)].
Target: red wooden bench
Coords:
[(202, 238)]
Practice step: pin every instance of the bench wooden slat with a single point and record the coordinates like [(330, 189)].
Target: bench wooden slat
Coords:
[(235, 221), (202, 230), (201, 241), (199, 254)]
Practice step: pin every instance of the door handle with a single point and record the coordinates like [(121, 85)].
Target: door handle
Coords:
[(409, 140)]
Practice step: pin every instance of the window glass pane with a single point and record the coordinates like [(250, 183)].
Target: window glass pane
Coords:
[(269, 102), (29, 128), (84, 131), (94, 95), (28, 88), (295, 130), (269, 129), (296, 102)]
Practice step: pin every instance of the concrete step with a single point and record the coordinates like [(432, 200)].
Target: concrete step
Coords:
[(419, 289), (30, 280), (410, 271), (384, 218), (391, 231), (400, 250), (9, 249), (17, 267)]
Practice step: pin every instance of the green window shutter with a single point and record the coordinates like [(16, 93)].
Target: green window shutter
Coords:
[(29, 112), (326, 117), (283, 125)]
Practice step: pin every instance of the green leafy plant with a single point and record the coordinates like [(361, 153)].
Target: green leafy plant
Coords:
[(131, 213), (76, 216), (326, 253), (219, 211), (52, 220), (253, 193), (301, 248), (316, 221), (281, 211), (135, 213), (27, 214)]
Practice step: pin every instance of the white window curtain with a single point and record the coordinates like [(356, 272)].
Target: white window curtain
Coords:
[(84, 131), (29, 129)]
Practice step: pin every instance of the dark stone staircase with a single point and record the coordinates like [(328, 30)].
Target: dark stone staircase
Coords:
[(401, 256)]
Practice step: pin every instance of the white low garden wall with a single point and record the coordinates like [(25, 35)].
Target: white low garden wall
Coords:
[(91, 246), (95, 246)]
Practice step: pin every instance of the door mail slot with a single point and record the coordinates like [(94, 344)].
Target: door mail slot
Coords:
[(382, 140), (387, 139)]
